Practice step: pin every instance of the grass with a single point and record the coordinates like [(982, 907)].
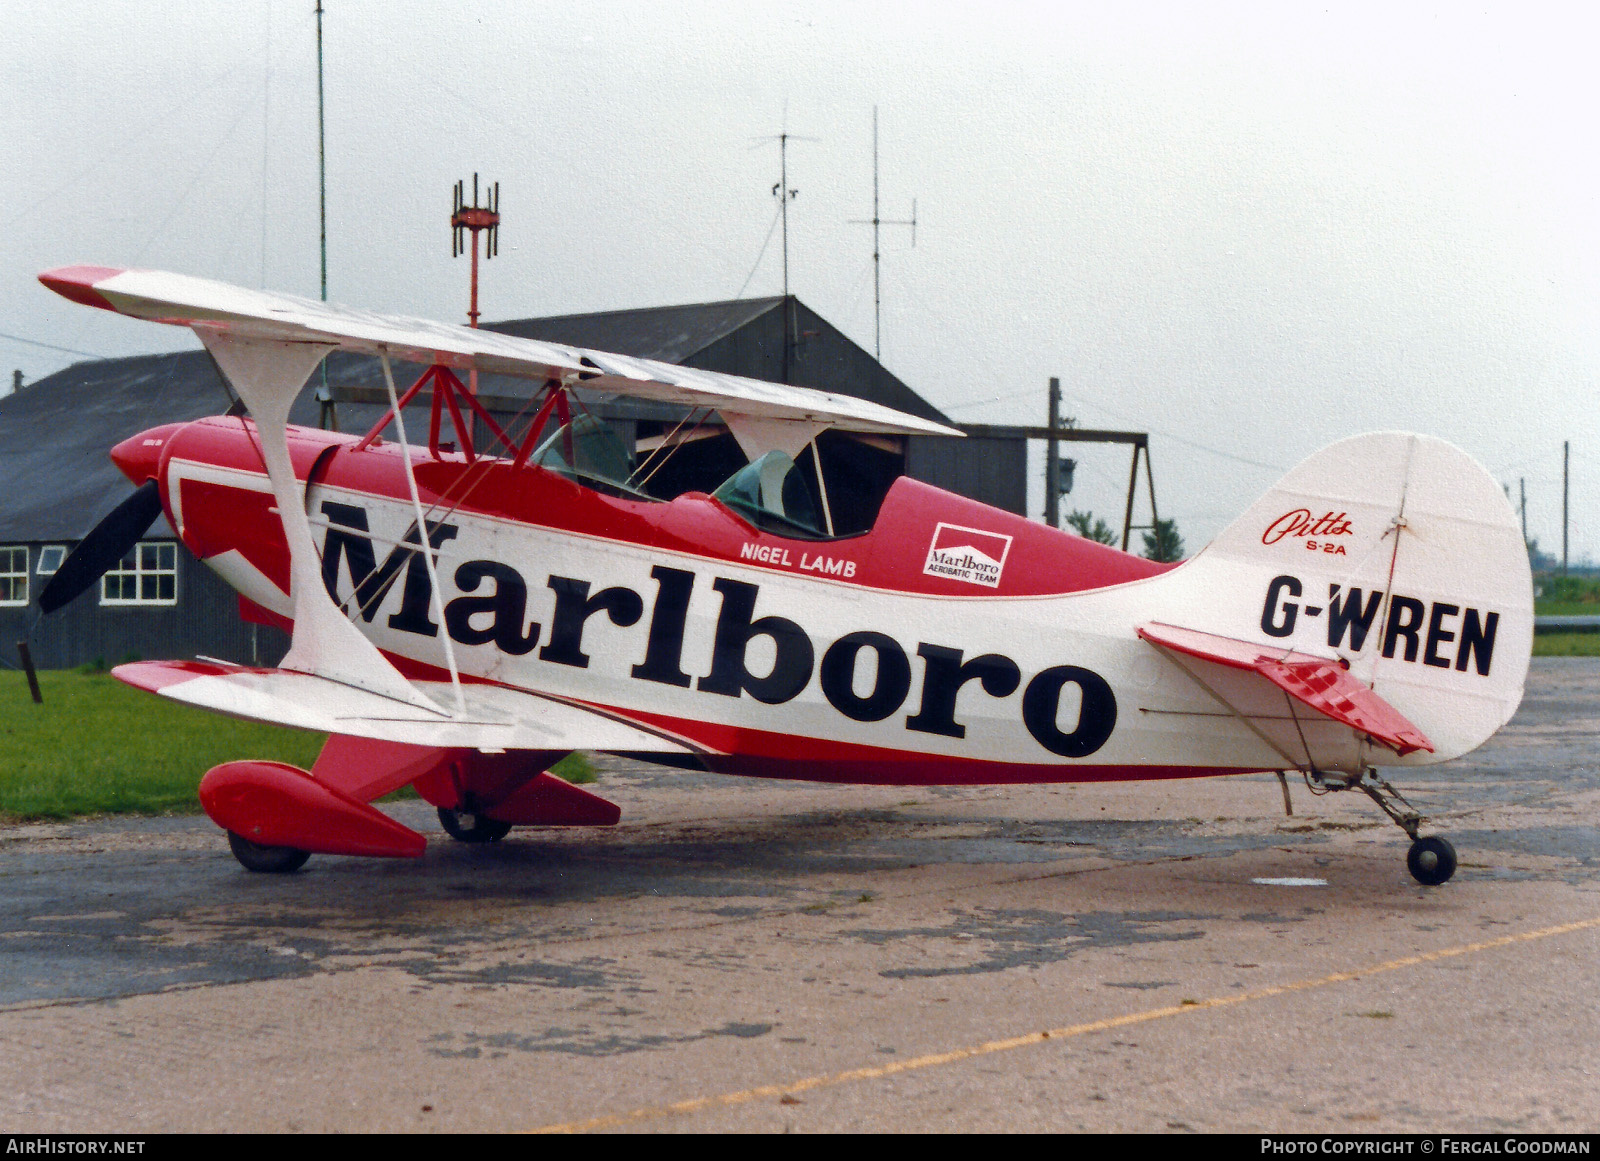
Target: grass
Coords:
[(1566, 596), (1566, 644), (98, 747)]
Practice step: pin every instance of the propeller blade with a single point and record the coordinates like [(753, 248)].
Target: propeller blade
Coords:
[(109, 542)]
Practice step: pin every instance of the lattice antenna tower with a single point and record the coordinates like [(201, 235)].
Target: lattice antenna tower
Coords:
[(876, 222)]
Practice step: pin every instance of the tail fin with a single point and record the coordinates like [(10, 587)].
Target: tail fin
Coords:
[(1398, 554)]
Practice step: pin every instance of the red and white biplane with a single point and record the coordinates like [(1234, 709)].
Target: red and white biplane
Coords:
[(1373, 607)]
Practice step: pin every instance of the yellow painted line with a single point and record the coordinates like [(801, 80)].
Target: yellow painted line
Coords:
[(876, 1072)]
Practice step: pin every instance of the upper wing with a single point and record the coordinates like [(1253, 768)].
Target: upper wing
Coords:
[(1315, 681), (495, 717), (262, 315)]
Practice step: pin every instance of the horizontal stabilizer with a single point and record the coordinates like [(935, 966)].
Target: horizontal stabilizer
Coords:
[(496, 718), (547, 800), (1314, 681)]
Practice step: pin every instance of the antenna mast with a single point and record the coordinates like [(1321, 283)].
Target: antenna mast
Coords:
[(322, 162), (875, 222), (475, 218), (328, 415), (783, 193)]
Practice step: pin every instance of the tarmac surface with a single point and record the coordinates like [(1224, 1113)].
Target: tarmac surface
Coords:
[(772, 956)]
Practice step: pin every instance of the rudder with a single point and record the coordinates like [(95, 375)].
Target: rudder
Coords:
[(1399, 554)]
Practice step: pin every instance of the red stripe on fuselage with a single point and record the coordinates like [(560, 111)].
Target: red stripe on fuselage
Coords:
[(1041, 561)]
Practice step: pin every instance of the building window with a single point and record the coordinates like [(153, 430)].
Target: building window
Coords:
[(50, 558), (146, 576), (13, 576)]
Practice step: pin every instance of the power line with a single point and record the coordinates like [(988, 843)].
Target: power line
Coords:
[(164, 121), (53, 347), (199, 173)]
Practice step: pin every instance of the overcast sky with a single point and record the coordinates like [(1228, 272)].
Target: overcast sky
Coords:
[(1249, 229)]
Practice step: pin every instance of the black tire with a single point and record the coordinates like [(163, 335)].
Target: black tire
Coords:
[(1431, 861), (264, 859), (465, 826)]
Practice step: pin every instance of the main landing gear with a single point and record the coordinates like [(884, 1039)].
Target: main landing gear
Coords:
[(468, 826), (265, 859), (1430, 860)]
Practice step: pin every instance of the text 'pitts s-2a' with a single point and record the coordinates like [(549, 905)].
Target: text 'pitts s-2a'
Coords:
[(462, 620)]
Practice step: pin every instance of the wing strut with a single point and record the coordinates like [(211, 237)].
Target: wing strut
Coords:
[(268, 374)]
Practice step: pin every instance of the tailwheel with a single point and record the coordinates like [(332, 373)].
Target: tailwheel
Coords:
[(1431, 860), (267, 860), (471, 827)]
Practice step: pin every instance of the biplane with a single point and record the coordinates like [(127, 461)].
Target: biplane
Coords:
[(462, 617)]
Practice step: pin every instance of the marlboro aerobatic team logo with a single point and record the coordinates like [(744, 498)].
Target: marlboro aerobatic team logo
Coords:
[(967, 554)]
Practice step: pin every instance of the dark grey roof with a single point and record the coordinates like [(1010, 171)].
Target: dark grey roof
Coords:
[(55, 433), (671, 334)]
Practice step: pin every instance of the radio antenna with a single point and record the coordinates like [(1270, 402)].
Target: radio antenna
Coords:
[(783, 193), (875, 222), (475, 218)]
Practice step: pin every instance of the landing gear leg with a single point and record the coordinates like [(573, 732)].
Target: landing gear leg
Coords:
[(1431, 860)]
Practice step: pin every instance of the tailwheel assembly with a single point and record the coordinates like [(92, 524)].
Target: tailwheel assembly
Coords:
[(267, 860), (469, 826), (1430, 860)]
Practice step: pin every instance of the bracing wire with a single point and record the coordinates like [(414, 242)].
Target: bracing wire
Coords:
[(426, 542), (748, 277)]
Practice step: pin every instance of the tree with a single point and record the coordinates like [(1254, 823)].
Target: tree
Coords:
[(1162, 543), (1085, 525)]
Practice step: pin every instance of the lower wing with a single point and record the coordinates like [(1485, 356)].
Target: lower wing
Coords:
[(495, 717)]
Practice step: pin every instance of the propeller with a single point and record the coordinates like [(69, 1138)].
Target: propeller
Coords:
[(108, 543)]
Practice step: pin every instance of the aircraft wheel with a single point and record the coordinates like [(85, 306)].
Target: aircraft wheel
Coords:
[(265, 859), (469, 827), (1431, 861)]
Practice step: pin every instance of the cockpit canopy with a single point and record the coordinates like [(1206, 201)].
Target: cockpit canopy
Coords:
[(589, 451), (773, 494)]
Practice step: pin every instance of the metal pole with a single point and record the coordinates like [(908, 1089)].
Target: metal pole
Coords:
[(322, 163), (1133, 482), (328, 416), (1052, 463), (783, 203), (26, 657), (1522, 487), (1150, 485), (877, 299), (472, 312), (1565, 459)]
